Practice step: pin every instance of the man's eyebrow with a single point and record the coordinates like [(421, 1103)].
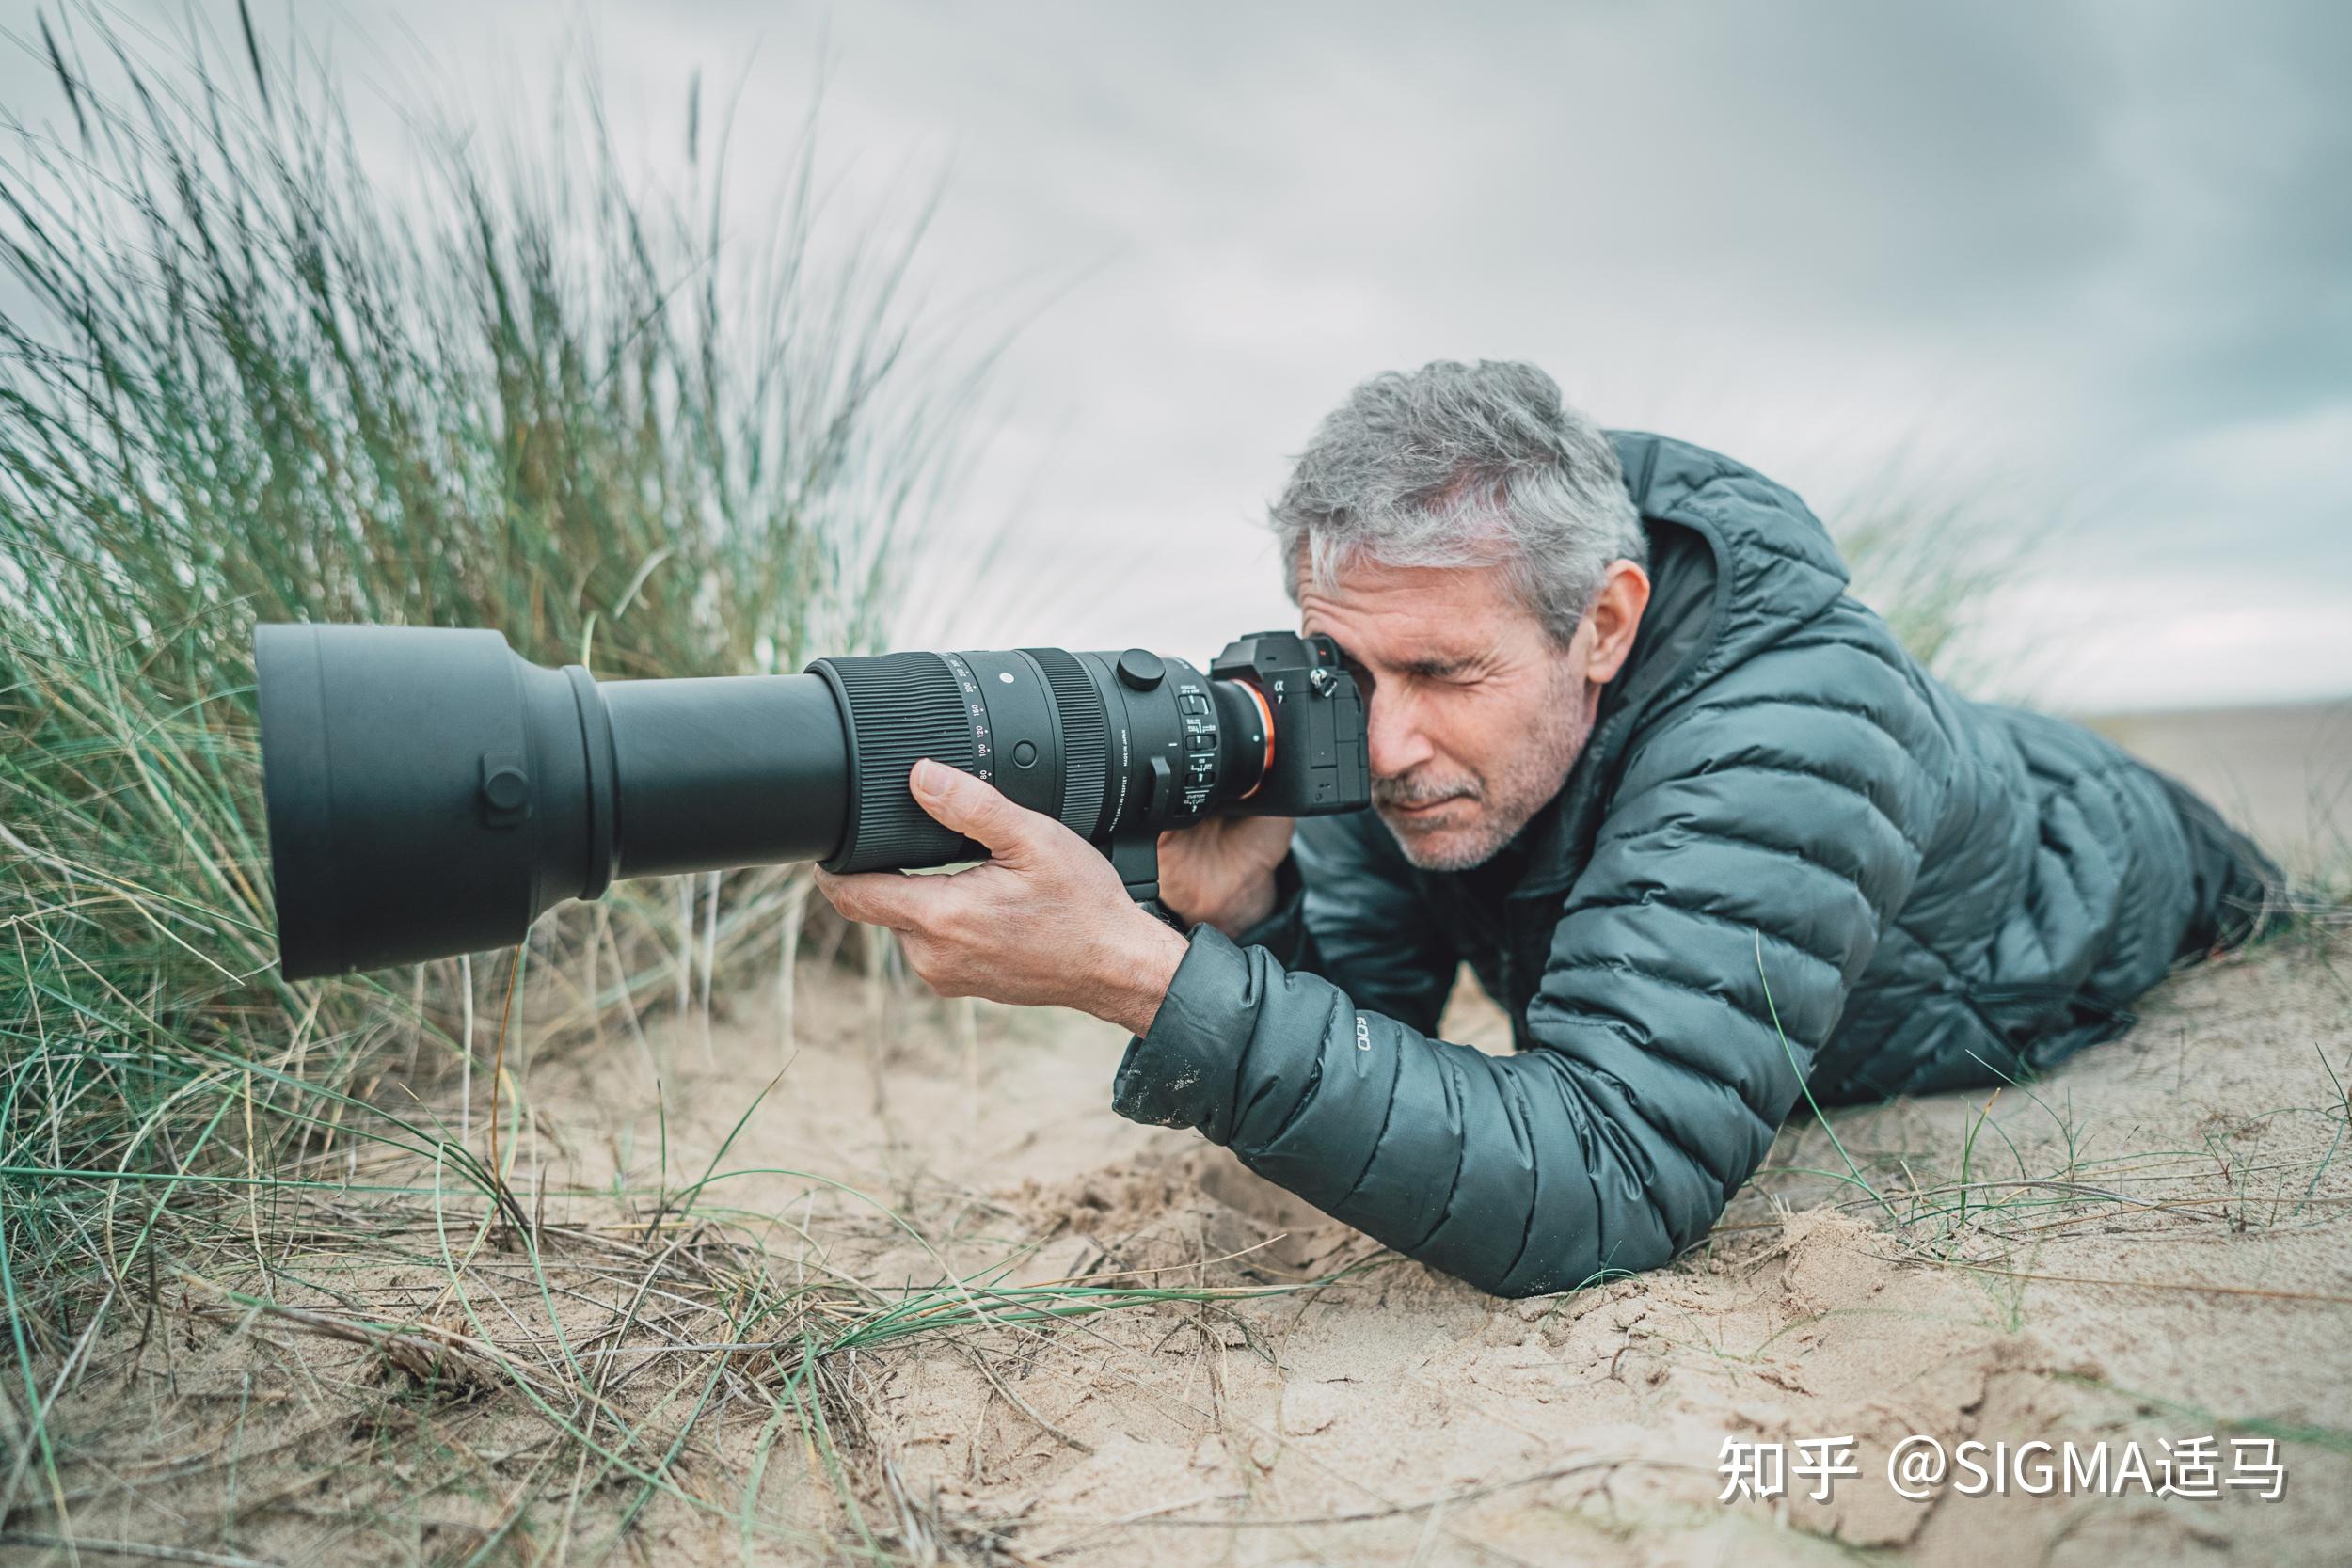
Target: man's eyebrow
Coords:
[(1437, 667)]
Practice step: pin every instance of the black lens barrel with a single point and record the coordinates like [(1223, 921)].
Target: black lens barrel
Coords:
[(726, 771), (429, 793)]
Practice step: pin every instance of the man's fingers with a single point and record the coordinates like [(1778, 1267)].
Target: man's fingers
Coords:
[(973, 807), (882, 898)]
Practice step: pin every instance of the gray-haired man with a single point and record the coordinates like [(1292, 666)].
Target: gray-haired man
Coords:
[(1687, 810)]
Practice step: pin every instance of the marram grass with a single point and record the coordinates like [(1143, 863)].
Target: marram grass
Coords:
[(245, 374)]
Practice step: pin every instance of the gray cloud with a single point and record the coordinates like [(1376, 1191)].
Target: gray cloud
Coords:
[(2097, 254)]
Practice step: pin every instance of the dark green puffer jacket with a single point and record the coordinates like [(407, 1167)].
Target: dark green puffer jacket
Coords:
[(1787, 854)]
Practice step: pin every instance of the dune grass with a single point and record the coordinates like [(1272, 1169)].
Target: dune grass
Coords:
[(247, 375), (245, 378), (1929, 552)]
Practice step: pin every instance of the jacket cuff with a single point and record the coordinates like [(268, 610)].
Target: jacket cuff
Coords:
[(1181, 1072)]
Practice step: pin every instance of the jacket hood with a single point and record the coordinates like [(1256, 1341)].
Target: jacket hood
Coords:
[(1737, 563), (1769, 564)]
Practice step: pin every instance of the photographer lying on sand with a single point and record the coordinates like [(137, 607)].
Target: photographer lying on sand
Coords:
[(1695, 820)]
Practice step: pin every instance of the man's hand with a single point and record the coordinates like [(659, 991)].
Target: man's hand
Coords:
[(1045, 922), (1220, 871)]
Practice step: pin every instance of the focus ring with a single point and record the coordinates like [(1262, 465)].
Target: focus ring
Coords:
[(1086, 740), (901, 707)]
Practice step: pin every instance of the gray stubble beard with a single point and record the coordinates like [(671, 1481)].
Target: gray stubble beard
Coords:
[(1525, 788)]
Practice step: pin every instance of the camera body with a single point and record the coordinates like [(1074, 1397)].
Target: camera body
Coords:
[(1318, 762), (429, 793)]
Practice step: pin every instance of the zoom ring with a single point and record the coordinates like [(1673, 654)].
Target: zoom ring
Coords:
[(902, 708), (1086, 740)]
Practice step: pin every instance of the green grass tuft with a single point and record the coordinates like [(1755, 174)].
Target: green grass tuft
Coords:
[(245, 376)]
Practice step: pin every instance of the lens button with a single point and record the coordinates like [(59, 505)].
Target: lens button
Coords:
[(1141, 669), (505, 789)]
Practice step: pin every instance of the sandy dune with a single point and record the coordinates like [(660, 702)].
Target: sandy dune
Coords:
[(2151, 1247)]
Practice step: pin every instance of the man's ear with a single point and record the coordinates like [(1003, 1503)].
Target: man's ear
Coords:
[(1614, 616)]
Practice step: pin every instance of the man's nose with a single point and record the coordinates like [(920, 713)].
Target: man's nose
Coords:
[(1393, 737)]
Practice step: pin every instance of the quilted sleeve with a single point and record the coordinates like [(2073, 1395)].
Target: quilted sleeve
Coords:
[(1755, 850)]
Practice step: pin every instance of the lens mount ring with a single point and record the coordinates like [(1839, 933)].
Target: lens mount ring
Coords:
[(1265, 717)]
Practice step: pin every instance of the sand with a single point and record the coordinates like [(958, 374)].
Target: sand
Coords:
[(2151, 1246), (2151, 1249)]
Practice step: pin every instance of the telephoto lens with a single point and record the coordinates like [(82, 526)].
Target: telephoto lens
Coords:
[(429, 792)]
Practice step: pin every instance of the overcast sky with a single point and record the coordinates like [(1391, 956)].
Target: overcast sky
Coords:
[(2087, 268)]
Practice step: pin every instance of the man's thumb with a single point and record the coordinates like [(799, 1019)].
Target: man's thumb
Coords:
[(970, 806)]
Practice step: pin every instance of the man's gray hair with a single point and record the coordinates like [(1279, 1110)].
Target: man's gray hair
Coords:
[(1464, 466)]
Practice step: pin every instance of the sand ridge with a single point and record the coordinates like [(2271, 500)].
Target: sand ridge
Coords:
[(2151, 1245), (1399, 1416)]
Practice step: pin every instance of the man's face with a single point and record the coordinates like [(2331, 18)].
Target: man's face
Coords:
[(1476, 712)]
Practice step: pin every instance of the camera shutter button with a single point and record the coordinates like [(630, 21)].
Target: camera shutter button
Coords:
[(1141, 669)]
